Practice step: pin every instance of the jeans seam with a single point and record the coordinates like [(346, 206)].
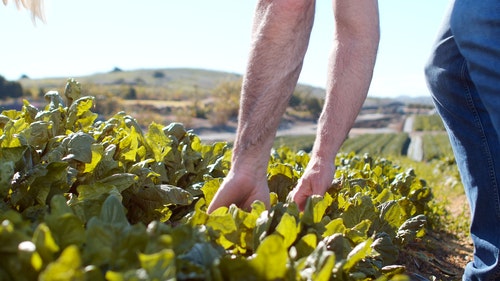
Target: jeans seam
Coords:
[(486, 148)]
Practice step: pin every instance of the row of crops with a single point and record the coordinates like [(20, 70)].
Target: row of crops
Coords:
[(429, 129), (395, 144), (84, 199), (434, 146), (425, 123)]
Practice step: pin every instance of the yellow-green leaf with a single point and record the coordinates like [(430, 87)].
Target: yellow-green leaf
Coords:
[(271, 258)]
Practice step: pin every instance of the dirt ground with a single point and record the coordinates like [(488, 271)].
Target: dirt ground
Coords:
[(441, 255)]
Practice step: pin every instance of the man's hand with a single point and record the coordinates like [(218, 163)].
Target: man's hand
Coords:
[(316, 180), (242, 189)]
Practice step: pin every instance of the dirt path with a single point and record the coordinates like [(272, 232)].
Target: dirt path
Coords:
[(297, 129)]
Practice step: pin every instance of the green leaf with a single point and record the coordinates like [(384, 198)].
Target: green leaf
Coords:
[(10, 137), (72, 91), (111, 240), (281, 180), (306, 244), (113, 212), (55, 100), (93, 192), (237, 268), (159, 266), (151, 203), (45, 244), (159, 142), (339, 244), (315, 208), (38, 134), (130, 146), (242, 238), (319, 264), (6, 173), (30, 263), (96, 156), (209, 189), (79, 147), (66, 267), (79, 115), (361, 251), (175, 129), (224, 224), (121, 181), (359, 208), (359, 232), (10, 236), (288, 228), (411, 229), (271, 258), (387, 250), (392, 215), (66, 227), (335, 226), (53, 181), (204, 255)]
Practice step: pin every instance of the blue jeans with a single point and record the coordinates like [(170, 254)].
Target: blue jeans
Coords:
[(464, 77)]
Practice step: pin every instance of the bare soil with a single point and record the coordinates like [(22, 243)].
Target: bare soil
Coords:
[(438, 255), (441, 253)]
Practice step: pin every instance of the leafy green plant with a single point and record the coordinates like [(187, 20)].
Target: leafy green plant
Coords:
[(90, 199)]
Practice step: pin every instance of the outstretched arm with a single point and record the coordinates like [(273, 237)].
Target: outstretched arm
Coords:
[(280, 38), (350, 71)]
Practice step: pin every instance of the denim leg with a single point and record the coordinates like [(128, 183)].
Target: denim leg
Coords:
[(465, 85)]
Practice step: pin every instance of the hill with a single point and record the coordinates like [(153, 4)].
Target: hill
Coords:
[(179, 79)]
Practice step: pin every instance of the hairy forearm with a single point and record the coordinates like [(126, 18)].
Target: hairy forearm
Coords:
[(273, 69), (349, 76)]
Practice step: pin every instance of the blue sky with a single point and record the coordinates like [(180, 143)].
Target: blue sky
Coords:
[(84, 37)]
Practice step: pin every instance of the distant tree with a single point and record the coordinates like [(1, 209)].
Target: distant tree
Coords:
[(116, 69), (24, 76), (313, 106), (296, 99), (158, 74), (10, 89), (131, 94)]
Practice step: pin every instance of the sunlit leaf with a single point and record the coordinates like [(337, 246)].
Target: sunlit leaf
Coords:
[(66, 267), (159, 266), (288, 228), (335, 226), (306, 244), (361, 251), (209, 189), (271, 258), (45, 244)]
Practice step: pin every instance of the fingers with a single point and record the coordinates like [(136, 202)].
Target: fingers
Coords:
[(242, 191)]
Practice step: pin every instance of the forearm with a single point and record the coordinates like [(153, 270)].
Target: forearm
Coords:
[(280, 40), (350, 71)]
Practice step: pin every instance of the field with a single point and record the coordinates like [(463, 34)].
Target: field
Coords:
[(105, 198)]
